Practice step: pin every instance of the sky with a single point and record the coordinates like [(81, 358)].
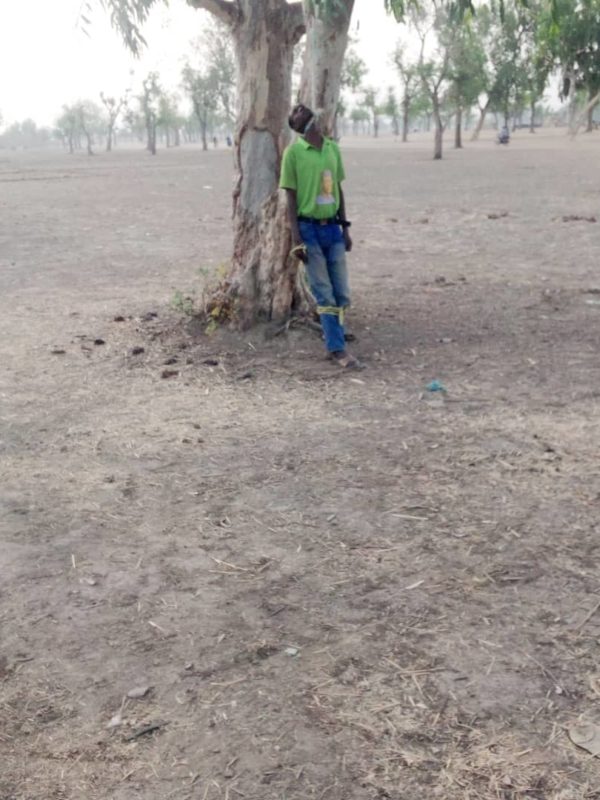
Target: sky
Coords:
[(47, 60)]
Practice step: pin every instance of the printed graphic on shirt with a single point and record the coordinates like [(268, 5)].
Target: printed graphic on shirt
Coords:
[(326, 197)]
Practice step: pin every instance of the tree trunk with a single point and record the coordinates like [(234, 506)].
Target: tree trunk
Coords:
[(572, 100), (532, 123), (326, 42), (109, 137), (262, 277), (151, 143), (589, 107), (405, 112), (203, 127), (439, 129), (177, 136), (375, 126), (458, 129)]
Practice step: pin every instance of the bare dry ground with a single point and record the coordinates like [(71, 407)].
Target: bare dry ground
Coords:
[(336, 586)]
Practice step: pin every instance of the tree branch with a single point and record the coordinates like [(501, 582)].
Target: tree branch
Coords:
[(225, 10)]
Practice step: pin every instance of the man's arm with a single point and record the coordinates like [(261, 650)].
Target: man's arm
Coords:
[(342, 216), (292, 208)]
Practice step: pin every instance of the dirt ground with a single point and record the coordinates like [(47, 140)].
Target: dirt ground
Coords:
[(335, 586)]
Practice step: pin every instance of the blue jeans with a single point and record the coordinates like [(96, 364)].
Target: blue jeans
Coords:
[(328, 278)]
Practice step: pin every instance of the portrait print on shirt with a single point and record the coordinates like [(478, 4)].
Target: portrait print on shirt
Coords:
[(326, 197)]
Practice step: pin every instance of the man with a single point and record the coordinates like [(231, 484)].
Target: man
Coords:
[(311, 174)]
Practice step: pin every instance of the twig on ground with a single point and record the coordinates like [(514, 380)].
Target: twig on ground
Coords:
[(588, 616)]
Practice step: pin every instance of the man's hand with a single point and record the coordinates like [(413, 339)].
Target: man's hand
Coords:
[(347, 240)]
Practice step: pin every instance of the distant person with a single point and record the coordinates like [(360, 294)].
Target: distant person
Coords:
[(311, 173), (215, 141), (229, 141), (504, 135)]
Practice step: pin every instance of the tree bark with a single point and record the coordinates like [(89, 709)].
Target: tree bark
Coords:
[(326, 42), (458, 129), (262, 279)]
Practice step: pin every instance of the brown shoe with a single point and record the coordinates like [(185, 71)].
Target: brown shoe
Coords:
[(346, 361)]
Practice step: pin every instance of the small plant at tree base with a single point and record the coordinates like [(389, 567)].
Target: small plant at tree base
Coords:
[(184, 303), (215, 305)]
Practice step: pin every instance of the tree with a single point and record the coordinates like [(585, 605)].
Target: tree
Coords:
[(327, 24), (503, 74), (202, 90), (149, 102), (25, 134), (466, 68), (571, 36), (89, 120), (354, 70), (392, 110), (370, 103), (262, 278), (359, 117), (67, 127), (114, 107), (434, 71), (169, 118), (409, 79), (219, 49)]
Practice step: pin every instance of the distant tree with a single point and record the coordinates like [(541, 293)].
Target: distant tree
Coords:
[(392, 110), (466, 70), (202, 88), (354, 70), (370, 102), (409, 79), (503, 74), (149, 102), (359, 117), (218, 45), (114, 107), (67, 127), (25, 134), (89, 121), (435, 70), (170, 119)]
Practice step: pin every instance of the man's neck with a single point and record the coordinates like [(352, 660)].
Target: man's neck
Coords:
[(314, 137)]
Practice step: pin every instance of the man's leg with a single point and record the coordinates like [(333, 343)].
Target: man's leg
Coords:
[(338, 273), (322, 290)]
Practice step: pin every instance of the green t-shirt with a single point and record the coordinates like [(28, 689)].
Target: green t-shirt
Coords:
[(315, 175)]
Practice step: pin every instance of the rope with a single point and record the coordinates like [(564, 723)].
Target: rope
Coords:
[(338, 311)]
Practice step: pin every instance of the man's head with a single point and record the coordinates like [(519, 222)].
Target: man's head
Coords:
[(300, 118)]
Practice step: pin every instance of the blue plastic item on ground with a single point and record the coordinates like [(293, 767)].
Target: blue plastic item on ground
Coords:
[(435, 386)]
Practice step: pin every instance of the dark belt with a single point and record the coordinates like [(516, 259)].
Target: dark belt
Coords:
[(329, 221)]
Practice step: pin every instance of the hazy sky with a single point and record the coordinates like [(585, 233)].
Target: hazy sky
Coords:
[(47, 60)]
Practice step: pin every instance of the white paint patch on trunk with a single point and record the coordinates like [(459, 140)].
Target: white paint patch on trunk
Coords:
[(259, 158)]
